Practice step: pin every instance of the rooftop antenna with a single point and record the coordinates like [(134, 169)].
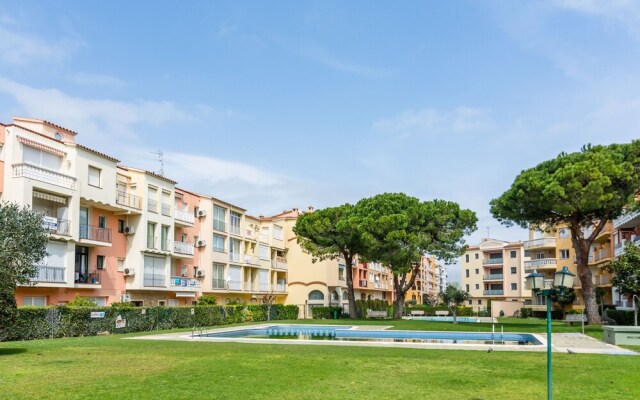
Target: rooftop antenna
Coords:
[(161, 160), (488, 230)]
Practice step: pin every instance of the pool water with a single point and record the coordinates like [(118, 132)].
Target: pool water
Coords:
[(347, 333)]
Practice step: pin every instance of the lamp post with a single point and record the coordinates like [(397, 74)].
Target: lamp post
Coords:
[(563, 279)]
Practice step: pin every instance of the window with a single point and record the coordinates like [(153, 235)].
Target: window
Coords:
[(264, 252), (154, 271), (479, 301), (477, 286), (466, 257), (120, 226), (316, 295), (477, 271), (174, 302), (563, 233), (218, 218), (564, 254), (183, 270), (467, 273), (39, 301), (513, 253), (514, 286), (341, 272), (120, 264), (195, 211), (94, 176), (467, 287), (40, 158), (477, 256), (277, 232), (151, 235), (264, 233), (218, 243), (100, 262), (218, 276), (514, 270), (102, 222), (470, 302), (164, 238), (100, 301), (234, 220)]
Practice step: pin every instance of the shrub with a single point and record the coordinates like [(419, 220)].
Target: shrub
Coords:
[(502, 313), (207, 300), (325, 312), (622, 317), (82, 302), (525, 312)]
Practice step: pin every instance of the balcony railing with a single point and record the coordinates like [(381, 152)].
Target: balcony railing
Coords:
[(493, 277), (234, 285), (234, 230), (185, 216), (626, 218), (165, 209), (45, 273), (251, 260), (541, 242), (279, 287), (540, 263), (44, 175), (234, 257), (155, 280), (183, 248), (88, 278), (279, 263), (219, 226), (56, 226), (495, 292), (619, 248), (128, 200), (219, 284), (181, 282), (601, 255), (95, 233), (152, 206), (492, 261), (602, 280)]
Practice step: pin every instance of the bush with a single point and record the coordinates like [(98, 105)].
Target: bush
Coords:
[(82, 302), (207, 300), (502, 313), (64, 321), (325, 312), (525, 312), (622, 317)]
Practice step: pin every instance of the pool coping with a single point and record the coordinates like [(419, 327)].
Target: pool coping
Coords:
[(542, 347)]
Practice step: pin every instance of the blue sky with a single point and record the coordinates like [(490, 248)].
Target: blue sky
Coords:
[(273, 105)]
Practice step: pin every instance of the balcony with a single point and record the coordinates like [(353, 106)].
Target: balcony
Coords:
[(219, 226), (235, 257), (602, 280), (44, 175), (128, 200), (56, 226), (165, 209), (541, 243), (218, 284), (182, 283), (627, 220), (493, 277), (542, 263), (184, 217), (48, 274), (154, 280), (495, 292), (619, 248), (234, 230), (250, 260), (153, 243), (183, 248), (152, 206), (362, 283), (492, 261), (95, 234), (599, 256), (87, 279), (279, 287), (279, 263)]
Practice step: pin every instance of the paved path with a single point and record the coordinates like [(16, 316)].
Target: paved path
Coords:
[(579, 343)]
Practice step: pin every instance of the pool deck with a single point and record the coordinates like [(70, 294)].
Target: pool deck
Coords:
[(561, 342)]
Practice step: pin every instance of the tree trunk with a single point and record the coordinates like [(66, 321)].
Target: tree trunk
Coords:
[(399, 305), (401, 286), (348, 259), (581, 246)]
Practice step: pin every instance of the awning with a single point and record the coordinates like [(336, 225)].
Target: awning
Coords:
[(185, 294), (43, 147), (50, 197)]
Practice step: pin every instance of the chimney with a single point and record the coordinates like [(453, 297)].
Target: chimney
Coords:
[(310, 208), (295, 210)]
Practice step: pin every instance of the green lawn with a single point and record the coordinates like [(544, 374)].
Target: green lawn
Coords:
[(108, 367)]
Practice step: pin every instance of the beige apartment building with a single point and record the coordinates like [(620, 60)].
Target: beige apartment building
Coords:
[(494, 269)]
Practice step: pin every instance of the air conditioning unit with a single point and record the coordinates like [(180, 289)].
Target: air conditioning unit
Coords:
[(202, 213), (129, 230), (201, 243), (125, 298), (129, 272), (200, 274)]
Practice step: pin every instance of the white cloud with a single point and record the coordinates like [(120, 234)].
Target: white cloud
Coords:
[(625, 12), (19, 49), (321, 55), (430, 121), (89, 79)]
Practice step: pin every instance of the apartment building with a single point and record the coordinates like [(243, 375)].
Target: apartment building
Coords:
[(625, 228), (552, 250), (426, 285), (494, 269)]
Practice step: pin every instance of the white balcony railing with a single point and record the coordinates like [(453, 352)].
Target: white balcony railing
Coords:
[(540, 263), (234, 285), (185, 216), (542, 242), (47, 273), (626, 218), (128, 200), (251, 260), (56, 226), (492, 261), (279, 263), (234, 257), (234, 230), (154, 280), (44, 175), (183, 248), (279, 287)]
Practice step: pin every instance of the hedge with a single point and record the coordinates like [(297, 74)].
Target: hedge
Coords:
[(63, 321), (622, 317), (325, 312), (376, 305)]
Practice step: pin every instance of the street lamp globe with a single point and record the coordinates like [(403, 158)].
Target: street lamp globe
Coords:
[(564, 278), (535, 281)]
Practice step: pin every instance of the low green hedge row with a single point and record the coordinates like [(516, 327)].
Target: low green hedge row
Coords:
[(376, 305), (622, 317), (325, 312), (62, 321)]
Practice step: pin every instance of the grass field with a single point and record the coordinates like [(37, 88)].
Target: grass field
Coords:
[(108, 367)]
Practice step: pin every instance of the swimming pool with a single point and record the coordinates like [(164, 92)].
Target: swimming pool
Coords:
[(350, 333)]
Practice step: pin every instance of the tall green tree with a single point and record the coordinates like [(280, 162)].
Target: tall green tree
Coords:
[(626, 272), (23, 243), (454, 298), (583, 190), (397, 230), (332, 234)]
